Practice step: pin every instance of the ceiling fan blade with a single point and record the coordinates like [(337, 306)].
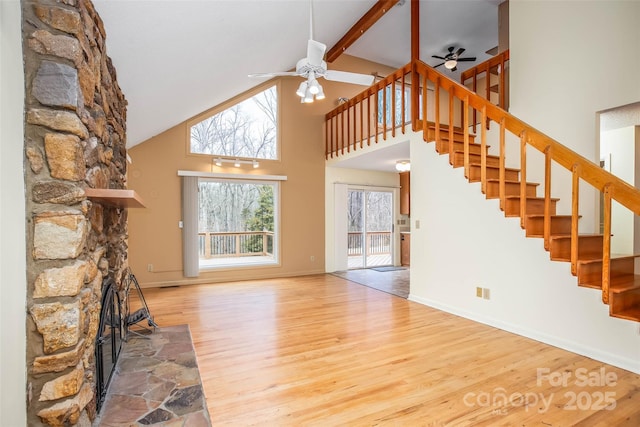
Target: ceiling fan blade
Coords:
[(436, 66), (459, 52), (282, 73), (315, 52), (439, 57), (466, 59), (346, 77)]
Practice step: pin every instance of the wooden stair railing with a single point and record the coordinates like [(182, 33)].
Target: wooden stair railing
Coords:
[(589, 255), (495, 66)]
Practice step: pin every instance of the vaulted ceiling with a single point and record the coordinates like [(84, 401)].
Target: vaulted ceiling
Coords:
[(177, 58)]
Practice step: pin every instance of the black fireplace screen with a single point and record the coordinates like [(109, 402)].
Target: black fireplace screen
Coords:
[(109, 338)]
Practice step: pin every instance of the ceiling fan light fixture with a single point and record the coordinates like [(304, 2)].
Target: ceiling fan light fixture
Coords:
[(450, 64), (308, 97), (314, 86), (320, 94), (302, 89)]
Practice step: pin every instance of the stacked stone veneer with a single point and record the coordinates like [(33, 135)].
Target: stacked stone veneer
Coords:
[(74, 138)]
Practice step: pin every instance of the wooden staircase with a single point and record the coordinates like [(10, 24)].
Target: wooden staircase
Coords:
[(364, 119), (624, 300)]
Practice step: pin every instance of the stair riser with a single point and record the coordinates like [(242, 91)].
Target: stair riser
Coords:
[(492, 173), (510, 188), (443, 147), (591, 273), (458, 160), (534, 207), (534, 227), (589, 247), (621, 302)]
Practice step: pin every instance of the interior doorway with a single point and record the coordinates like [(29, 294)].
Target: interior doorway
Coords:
[(619, 138), (370, 234)]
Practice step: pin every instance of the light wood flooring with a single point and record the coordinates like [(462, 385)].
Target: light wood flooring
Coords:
[(321, 350)]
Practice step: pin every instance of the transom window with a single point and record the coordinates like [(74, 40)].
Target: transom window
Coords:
[(247, 129)]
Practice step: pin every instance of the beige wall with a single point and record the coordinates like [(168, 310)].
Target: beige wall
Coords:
[(154, 236)]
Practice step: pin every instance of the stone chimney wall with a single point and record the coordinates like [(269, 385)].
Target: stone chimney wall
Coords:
[(75, 117)]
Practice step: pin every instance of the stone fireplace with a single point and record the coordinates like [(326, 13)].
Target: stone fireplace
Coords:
[(75, 138)]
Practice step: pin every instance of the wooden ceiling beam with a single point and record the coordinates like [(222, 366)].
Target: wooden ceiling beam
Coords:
[(368, 19)]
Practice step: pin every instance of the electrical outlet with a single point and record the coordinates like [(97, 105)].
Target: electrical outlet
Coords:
[(312, 258), (417, 224), (149, 267), (486, 293), (479, 292)]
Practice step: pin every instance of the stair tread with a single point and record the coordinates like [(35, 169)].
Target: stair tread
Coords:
[(512, 181), (474, 154), (613, 256), (618, 284), (532, 198), (553, 216), (568, 236), (497, 167), (628, 314), (627, 282)]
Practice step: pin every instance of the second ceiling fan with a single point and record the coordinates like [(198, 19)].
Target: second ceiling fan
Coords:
[(452, 58)]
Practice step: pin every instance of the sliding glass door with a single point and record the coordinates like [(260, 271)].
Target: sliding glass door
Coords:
[(370, 228)]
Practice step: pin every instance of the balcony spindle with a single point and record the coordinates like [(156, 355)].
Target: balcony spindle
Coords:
[(425, 127), (404, 110), (436, 89), (361, 103), (451, 124), (375, 112), (393, 108), (368, 119)]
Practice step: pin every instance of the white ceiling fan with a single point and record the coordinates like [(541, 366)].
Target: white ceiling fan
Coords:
[(313, 66)]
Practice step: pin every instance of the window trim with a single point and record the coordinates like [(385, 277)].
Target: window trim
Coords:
[(230, 103)]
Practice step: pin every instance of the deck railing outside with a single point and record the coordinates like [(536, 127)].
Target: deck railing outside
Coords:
[(376, 243), (235, 244)]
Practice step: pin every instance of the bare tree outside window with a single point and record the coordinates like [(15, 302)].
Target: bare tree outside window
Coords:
[(248, 129)]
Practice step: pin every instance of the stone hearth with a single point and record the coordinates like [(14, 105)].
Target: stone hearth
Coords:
[(156, 382)]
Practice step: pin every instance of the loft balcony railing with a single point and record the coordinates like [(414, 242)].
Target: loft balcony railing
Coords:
[(381, 111)]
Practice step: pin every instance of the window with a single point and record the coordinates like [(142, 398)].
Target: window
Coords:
[(385, 99), (247, 129), (237, 223)]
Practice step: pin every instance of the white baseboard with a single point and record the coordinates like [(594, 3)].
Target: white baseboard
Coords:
[(594, 353)]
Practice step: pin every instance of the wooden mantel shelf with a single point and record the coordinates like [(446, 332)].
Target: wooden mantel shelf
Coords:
[(115, 197)]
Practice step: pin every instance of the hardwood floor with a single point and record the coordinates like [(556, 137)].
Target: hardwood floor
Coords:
[(321, 350)]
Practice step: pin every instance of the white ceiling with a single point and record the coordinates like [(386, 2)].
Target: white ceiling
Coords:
[(177, 58)]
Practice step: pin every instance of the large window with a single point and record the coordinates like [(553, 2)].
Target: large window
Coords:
[(237, 223), (247, 129)]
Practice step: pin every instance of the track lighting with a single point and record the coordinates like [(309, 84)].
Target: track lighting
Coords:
[(218, 161)]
